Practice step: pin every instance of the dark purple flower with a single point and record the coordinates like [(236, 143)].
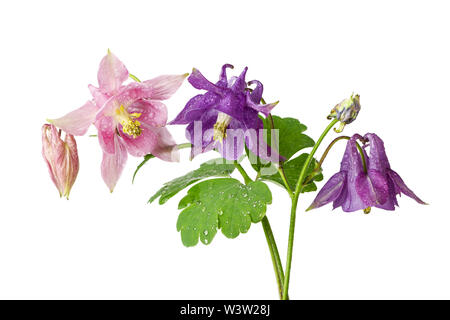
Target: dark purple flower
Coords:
[(358, 187), (226, 116), (352, 188)]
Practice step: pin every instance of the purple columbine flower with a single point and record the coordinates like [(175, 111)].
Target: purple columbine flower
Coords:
[(363, 181), (226, 116)]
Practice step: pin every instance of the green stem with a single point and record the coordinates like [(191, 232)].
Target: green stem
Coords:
[(244, 174), (286, 184), (280, 167), (273, 249), (298, 189), (150, 156), (276, 260), (363, 158)]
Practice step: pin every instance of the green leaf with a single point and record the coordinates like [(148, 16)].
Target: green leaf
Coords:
[(223, 203), (291, 139), (212, 168), (292, 170)]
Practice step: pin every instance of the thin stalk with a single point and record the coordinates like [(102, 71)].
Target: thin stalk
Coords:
[(276, 260), (286, 184), (280, 167), (244, 174), (298, 188), (150, 156), (273, 249), (322, 159)]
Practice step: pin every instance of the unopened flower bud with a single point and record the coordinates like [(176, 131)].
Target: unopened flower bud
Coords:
[(346, 111), (61, 158)]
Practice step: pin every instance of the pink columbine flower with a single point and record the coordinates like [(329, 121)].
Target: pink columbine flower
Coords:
[(130, 118), (61, 158)]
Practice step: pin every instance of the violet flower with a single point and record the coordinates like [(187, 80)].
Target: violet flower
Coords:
[(61, 158), (130, 118), (363, 181), (226, 116)]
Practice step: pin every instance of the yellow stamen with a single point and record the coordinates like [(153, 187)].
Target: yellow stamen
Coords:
[(220, 127), (130, 125), (367, 210)]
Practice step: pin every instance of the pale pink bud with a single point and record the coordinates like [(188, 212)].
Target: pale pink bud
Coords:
[(61, 158)]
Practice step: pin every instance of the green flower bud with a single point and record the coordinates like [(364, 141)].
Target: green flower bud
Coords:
[(345, 111)]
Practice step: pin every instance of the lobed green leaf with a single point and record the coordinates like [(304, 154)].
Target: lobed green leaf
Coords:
[(223, 203)]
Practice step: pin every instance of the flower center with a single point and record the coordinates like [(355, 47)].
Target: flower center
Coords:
[(220, 127), (130, 125)]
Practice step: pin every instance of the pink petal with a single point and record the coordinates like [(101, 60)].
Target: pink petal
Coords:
[(166, 148), (106, 128), (113, 164), (61, 158), (153, 113), (142, 144), (100, 98), (153, 140), (165, 86), (53, 153), (126, 96), (111, 73), (72, 163), (77, 122)]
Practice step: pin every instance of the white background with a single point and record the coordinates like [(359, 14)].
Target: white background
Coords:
[(309, 55)]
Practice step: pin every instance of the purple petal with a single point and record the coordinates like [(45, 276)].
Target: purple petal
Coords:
[(239, 84), (378, 158), (196, 107), (330, 191), (200, 133), (255, 138), (400, 186), (391, 202), (198, 81), (78, 121), (372, 188), (232, 146), (113, 164), (165, 86), (352, 164), (233, 105), (263, 108), (340, 200), (223, 81), (111, 73), (256, 93)]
